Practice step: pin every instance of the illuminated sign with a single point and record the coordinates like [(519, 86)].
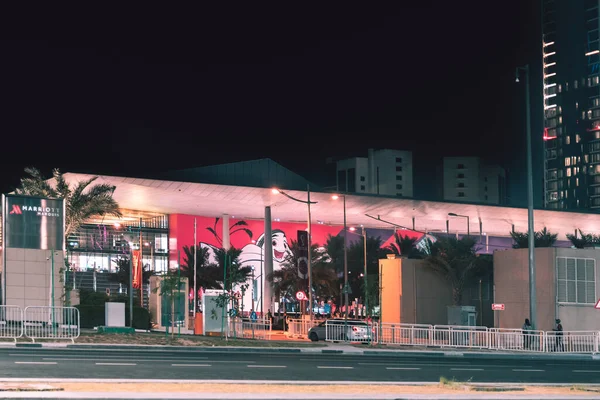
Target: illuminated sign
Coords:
[(33, 223)]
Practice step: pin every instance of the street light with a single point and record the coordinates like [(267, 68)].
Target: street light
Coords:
[(530, 226), (462, 216), (308, 203), (336, 197)]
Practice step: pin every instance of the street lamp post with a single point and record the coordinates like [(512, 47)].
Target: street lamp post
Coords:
[(364, 232), (335, 197), (530, 225), (462, 216), (308, 203)]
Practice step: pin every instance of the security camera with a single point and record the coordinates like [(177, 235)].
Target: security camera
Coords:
[(47, 258)]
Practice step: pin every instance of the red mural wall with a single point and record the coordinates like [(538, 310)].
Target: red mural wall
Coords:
[(181, 233)]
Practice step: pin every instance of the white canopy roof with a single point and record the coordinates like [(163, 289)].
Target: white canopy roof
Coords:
[(212, 200)]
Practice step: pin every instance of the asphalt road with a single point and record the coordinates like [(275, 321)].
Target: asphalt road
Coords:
[(193, 365)]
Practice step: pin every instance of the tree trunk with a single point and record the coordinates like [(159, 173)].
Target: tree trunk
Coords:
[(456, 296), (173, 315)]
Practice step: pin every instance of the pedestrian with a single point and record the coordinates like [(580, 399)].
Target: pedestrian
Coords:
[(270, 317), (527, 334), (558, 328)]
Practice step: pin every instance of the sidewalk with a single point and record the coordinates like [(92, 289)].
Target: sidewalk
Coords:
[(330, 348)]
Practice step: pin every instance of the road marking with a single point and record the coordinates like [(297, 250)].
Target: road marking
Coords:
[(112, 359), (116, 363), (585, 370), (402, 368), (466, 369), (333, 367), (266, 366), (35, 362), (221, 361), (528, 370), (190, 365)]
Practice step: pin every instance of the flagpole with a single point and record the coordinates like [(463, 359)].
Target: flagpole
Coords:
[(195, 263)]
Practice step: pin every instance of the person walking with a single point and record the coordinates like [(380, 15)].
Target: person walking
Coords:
[(558, 328), (527, 334)]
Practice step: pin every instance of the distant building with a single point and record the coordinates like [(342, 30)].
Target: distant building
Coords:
[(468, 179), (383, 172), (571, 62)]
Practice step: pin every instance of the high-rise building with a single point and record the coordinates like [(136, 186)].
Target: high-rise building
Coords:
[(571, 60), (468, 179), (385, 172)]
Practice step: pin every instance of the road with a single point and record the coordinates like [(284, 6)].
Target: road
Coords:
[(192, 365)]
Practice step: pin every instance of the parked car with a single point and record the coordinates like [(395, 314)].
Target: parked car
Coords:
[(341, 330)]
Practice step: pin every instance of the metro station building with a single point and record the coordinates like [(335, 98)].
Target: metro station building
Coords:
[(207, 204)]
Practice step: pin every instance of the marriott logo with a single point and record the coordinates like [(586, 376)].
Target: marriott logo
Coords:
[(39, 210)]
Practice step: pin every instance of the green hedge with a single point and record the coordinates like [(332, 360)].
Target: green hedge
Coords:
[(92, 316)]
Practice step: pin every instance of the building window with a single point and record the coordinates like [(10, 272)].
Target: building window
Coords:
[(576, 280), (398, 160), (460, 185), (486, 197), (461, 194), (362, 188), (398, 177), (352, 180), (398, 169), (460, 176), (362, 178), (460, 166), (399, 186)]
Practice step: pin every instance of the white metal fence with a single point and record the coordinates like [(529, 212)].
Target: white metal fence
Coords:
[(300, 327), (39, 322), (247, 329), (471, 337)]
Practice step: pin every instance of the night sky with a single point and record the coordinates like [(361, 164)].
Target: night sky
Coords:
[(139, 91)]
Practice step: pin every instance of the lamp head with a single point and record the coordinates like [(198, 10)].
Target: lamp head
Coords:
[(335, 197), (275, 191), (452, 215)]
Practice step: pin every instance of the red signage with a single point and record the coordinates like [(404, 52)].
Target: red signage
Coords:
[(597, 306), (498, 307), (300, 296)]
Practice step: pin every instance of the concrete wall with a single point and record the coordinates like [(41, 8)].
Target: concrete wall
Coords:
[(511, 279), (28, 277), (413, 293)]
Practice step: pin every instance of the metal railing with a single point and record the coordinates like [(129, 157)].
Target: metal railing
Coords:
[(300, 327), (11, 322), (247, 329), (44, 322), (339, 330), (476, 337)]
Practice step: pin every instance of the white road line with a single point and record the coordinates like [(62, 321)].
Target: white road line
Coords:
[(586, 370), (528, 370), (190, 365), (414, 363), (118, 359), (35, 362), (266, 366), (332, 367), (466, 369), (221, 361), (116, 363), (402, 368)]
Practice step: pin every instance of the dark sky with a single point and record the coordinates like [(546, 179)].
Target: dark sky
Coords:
[(134, 91)]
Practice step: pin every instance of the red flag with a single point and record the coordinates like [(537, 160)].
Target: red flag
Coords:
[(136, 261)]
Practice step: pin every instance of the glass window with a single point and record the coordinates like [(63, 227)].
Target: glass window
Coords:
[(398, 169), (576, 280), (460, 176), (362, 187), (399, 186), (460, 166), (362, 178), (398, 177), (461, 194), (398, 160), (460, 185)]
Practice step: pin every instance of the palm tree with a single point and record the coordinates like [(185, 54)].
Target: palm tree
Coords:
[(207, 275), (457, 261), (82, 200), (237, 227), (122, 274), (583, 240), (404, 246), (543, 238)]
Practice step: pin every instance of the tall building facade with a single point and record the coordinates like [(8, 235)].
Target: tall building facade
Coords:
[(571, 60), (384, 172), (468, 179)]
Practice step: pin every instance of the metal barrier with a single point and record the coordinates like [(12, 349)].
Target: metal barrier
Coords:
[(405, 334), (516, 340), (11, 322), (246, 329), (348, 331), (44, 322), (300, 327), (460, 336), (572, 341)]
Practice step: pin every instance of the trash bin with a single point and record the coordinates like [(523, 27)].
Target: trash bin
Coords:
[(198, 328)]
